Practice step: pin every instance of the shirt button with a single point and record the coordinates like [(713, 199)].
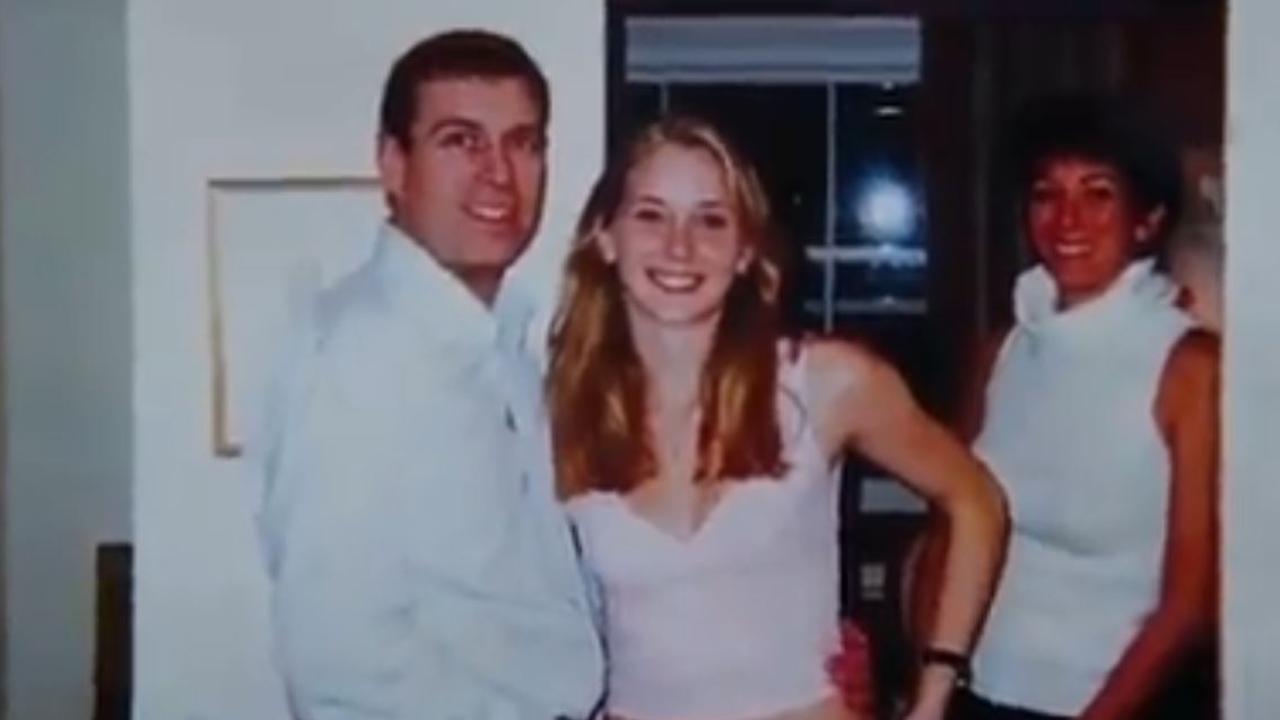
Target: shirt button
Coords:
[(510, 419)]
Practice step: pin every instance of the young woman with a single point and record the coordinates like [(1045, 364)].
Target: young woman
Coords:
[(696, 449)]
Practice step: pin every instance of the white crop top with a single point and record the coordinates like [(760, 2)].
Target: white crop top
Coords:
[(738, 620)]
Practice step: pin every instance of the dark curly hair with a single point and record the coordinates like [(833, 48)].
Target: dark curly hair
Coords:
[(1116, 131)]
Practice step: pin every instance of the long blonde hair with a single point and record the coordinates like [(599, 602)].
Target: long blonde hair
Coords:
[(596, 385)]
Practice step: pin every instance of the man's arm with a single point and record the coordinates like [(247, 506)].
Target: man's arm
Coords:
[(353, 627)]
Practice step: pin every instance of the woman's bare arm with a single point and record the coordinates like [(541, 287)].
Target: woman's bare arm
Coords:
[(862, 404), (1187, 412), (923, 563)]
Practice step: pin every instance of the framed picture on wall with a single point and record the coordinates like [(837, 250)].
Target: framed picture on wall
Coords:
[(273, 244)]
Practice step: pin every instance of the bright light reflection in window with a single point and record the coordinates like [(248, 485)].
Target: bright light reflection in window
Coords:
[(886, 210)]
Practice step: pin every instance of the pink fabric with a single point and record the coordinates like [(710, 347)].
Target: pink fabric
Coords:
[(738, 620)]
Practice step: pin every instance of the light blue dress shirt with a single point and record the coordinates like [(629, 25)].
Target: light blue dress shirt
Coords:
[(421, 565)]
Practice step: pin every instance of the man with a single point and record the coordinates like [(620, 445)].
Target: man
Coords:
[(422, 567)]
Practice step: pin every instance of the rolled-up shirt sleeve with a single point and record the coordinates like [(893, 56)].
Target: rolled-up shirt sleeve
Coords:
[(355, 627)]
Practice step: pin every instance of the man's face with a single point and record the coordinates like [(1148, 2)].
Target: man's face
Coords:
[(468, 187)]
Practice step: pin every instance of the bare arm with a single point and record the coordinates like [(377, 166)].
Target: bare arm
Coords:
[(924, 560), (1187, 412), (863, 405)]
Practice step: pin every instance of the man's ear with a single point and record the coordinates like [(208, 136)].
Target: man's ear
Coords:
[(391, 166), (1149, 225)]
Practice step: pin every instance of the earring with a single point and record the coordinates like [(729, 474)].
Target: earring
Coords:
[(606, 253)]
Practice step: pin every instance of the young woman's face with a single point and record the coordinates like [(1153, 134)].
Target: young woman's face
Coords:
[(677, 239), (1084, 224)]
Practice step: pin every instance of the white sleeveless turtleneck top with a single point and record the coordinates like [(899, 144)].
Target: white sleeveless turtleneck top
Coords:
[(738, 620), (1071, 435)]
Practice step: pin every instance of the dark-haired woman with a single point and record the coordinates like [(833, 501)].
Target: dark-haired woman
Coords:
[(1099, 419)]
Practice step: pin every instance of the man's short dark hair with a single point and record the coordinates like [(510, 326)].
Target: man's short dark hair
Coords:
[(456, 54), (1103, 128)]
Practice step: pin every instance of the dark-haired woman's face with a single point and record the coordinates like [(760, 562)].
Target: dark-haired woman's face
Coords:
[(1085, 225)]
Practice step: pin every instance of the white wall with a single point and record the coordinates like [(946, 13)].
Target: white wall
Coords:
[(250, 89), (67, 343), (1252, 370)]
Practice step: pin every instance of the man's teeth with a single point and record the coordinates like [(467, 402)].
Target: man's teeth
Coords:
[(491, 213), (1071, 249), (675, 281)]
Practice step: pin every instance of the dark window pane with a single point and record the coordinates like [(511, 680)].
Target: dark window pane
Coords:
[(641, 104), (879, 205), (879, 288), (874, 149), (806, 299)]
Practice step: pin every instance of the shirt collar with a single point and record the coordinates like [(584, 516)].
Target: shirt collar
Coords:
[(441, 305), (1140, 285)]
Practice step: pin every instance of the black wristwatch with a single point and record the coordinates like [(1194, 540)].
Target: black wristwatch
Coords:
[(959, 662)]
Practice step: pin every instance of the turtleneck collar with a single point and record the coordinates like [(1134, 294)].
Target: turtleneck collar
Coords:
[(1139, 286)]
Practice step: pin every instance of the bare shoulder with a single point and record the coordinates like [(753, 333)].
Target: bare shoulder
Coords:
[(1191, 374), (847, 380), (853, 390), (1197, 352), (836, 366), (1193, 362)]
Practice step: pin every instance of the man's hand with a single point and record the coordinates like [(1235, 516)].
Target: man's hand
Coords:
[(850, 670)]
